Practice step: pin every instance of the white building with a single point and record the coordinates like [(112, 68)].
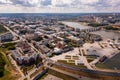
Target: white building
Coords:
[(6, 36), (99, 19)]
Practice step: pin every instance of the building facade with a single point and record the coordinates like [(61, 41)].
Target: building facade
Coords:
[(24, 54), (6, 37)]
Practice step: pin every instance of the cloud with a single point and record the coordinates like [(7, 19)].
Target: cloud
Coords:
[(89, 1), (5, 2), (46, 2), (31, 3), (62, 5)]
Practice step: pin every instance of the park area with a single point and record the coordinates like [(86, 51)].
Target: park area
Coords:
[(7, 70)]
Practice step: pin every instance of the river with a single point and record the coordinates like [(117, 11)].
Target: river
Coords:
[(76, 25)]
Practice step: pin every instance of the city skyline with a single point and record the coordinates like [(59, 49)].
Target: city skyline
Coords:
[(59, 6), (59, 46)]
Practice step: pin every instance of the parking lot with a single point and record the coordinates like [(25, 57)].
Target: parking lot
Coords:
[(100, 48)]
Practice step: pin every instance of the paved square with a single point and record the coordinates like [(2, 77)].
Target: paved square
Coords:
[(51, 77)]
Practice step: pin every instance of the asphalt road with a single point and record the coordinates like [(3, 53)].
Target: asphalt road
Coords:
[(65, 66)]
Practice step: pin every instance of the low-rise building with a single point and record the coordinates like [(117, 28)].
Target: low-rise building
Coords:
[(76, 40), (24, 54), (44, 48), (6, 37), (57, 50), (25, 59)]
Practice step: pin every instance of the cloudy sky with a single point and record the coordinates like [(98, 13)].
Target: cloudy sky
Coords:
[(59, 6)]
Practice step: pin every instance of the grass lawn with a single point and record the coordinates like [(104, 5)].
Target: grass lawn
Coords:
[(6, 75), (28, 68), (9, 76), (62, 61), (9, 46), (111, 63), (67, 57), (9, 72), (90, 58), (8, 63), (75, 57), (72, 64), (2, 29), (101, 65), (71, 61)]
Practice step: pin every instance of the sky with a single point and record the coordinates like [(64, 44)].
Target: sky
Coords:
[(59, 6)]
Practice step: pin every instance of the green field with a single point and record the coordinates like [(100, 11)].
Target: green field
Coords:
[(9, 46), (112, 63), (2, 65), (72, 64), (2, 29), (90, 58), (112, 28), (9, 70), (96, 24)]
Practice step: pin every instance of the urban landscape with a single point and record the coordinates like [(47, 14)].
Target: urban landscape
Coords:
[(59, 46)]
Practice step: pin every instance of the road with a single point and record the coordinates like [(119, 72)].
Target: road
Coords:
[(48, 60), (16, 66), (78, 77), (12, 32), (85, 59), (21, 38), (42, 55)]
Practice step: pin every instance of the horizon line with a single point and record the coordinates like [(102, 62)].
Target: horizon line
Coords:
[(61, 13)]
